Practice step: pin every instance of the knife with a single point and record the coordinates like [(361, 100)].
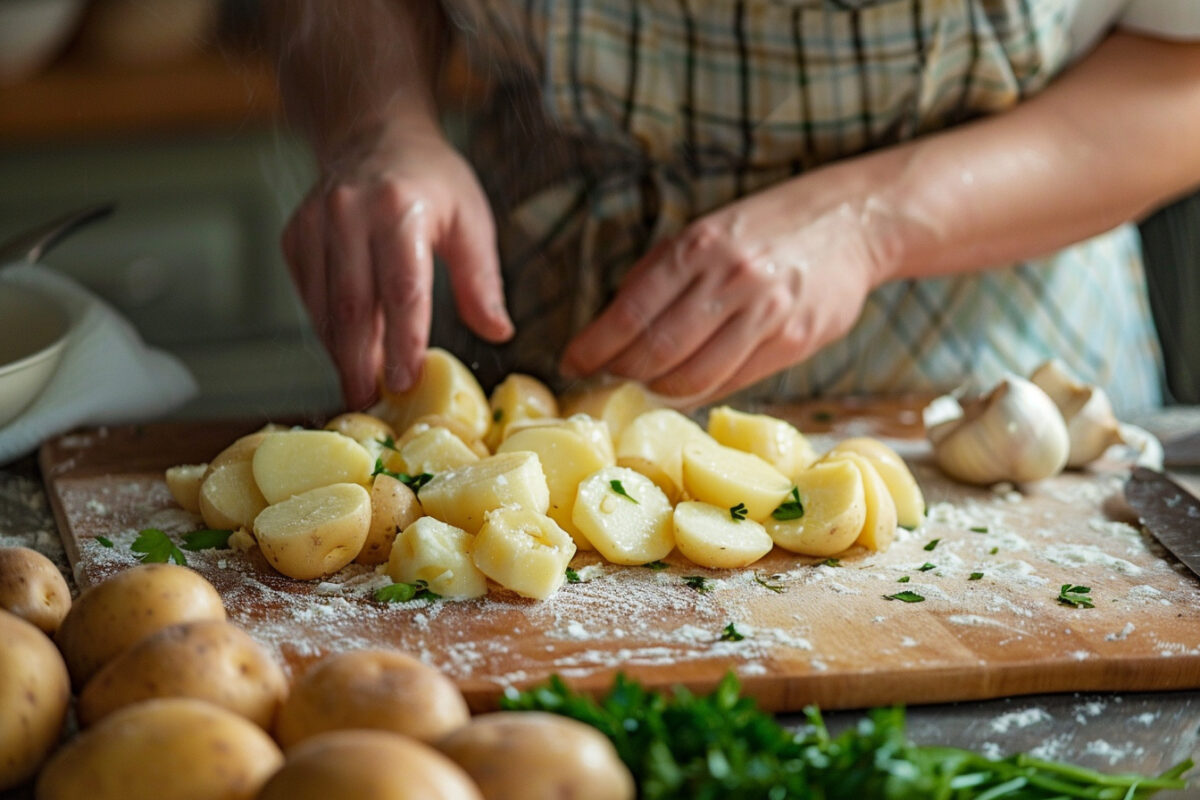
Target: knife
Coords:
[(1168, 511)]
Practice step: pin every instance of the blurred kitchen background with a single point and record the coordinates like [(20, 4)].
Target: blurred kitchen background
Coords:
[(169, 108)]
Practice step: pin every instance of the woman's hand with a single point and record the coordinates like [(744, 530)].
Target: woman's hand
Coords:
[(361, 245), (742, 293)]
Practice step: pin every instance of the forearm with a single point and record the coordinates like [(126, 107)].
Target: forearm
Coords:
[(1111, 140), (350, 70)]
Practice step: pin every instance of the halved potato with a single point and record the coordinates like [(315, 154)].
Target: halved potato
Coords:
[(369, 431), (524, 551), (617, 404), (462, 496), (317, 532), (183, 482), (394, 507), (242, 449), (658, 436), (903, 487), (771, 439), (832, 510), (229, 497), (293, 462), (430, 550), (518, 397), (879, 527), (625, 516), (712, 537), (445, 386), (655, 473), (435, 450), (725, 477)]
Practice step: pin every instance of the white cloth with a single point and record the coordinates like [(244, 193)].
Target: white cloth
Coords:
[(107, 374), (1164, 19)]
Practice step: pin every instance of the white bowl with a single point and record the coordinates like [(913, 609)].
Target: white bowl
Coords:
[(33, 333)]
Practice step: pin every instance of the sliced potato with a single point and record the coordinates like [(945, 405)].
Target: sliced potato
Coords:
[(903, 487), (435, 450), (183, 482), (317, 532), (879, 527), (832, 511), (445, 386), (567, 457), (455, 426), (712, 537), (462, 496), (229, 496), (655, 473), (725, 477), (771, 439), (617, 405), (368, 430), (518, 397), (394, 507), (523, 551), (658, 436), (430, 550), (292, 462), (625, 516), (242, 449)]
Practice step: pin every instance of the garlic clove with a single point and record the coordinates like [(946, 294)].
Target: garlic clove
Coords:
[(1092, 427), (1014, 433)]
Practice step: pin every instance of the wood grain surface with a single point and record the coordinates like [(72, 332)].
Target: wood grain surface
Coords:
[(813, 632)]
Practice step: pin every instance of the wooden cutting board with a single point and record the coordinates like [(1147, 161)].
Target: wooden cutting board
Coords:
[(813, 632)]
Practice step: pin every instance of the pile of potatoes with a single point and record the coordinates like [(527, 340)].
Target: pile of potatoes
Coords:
[(517, 484), (173, 701)]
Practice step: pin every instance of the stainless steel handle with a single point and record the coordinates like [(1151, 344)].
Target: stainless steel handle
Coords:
[(31, 245)]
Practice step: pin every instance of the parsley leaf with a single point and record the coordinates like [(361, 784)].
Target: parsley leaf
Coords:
[(207, 539), (414, 482), (903, 579), (1077, 596), (697, 582), (498, 415), (926, 567), (831, 562), (656, 565), (616, 486), (933, 543), (156, 547), (975, 576), (905, 596), (978, 529), (104, 541), (789, 509), (388, 443), (993, 551), (731, 634), (738, 512), (404, 592), (777, 588), (573, 576)]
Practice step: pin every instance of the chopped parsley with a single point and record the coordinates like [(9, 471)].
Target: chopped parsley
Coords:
[(831, 562), (932, 544), (975, 576), (697, 582), (903, 579), (207, 539), (387, 443), (656, 565), (104, 541), (155, 547), (414, 482), (978, 529), (738, 512), (731, 634), (822, 416), (777, 588), (1077, 596), (926, 567), (789, 509), (616, 486), (498, 415), (573, 576), (993, 551), (404, 592), (905, 596)]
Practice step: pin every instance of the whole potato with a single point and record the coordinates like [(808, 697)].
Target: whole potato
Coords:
[(206, 659), (131, 605), (381, 689), (34, 694), (32, 588), (367, 765), (168, 749), (531, 755)]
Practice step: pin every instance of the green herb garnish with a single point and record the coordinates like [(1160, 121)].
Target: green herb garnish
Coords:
[(697, 582), (573, 576), (414, 482), (1078, 596), (656, 565), (926, 567), (404, 592), (155, 547), (777, 588), (104, 541), (978, 529), (498, 415), (975, 576), (903, 579), (616, 486), (789, 509), (831, 562), (389, 444), (932, 544), (731, 634), (993, 551), (207, 539), (738, 512), (906, 597)]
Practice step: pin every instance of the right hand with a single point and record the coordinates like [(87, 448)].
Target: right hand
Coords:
[(360, 247)]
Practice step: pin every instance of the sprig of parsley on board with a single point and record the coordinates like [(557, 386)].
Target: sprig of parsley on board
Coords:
[(400, 592), (155, 547), (207, 539), (414, 482), (720, 746), (1078, 596)]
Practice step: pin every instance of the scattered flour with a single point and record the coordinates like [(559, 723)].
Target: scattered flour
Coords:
[(1020, 719)]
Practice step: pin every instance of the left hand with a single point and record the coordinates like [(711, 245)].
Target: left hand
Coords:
[(740, 294)]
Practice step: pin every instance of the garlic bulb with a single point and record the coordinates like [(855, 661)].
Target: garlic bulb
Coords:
[(1014, 433), (1091, 424)]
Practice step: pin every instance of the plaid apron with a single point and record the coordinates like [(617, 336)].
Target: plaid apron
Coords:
[(613, 123)]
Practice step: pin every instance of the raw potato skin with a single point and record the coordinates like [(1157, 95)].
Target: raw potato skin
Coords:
[(377, 689), (394, 507), (170, 749), (316, 533), (128, 607), (206, 660), (34, 694), (32, 588), (533, 755), (367, 765)]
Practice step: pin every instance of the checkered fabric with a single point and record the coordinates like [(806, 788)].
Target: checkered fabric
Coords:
[(615, 122)]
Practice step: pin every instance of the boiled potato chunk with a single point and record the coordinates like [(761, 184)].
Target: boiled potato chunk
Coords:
[(903, 487), (378, 689), (462, 496), (711, 537), (394, 507), (169, 749), (567, 457), (617, 405), (242, 449), (445, 386), (879, 527), (524, 551), (32, 588), (771, 439), (435, 450), (367, 765), (315, 533), (209, 660), (629, 528), (422, 424), (833, 510), (293, 462), (34, 694), (518, 397), (655, 473), (724, 477), (535, 755), (369, 431), (430, 550), (111, 616), (658, 436), (183, 482), (229, 497)]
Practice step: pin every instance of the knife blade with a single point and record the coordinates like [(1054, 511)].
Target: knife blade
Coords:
[(1168, 511)]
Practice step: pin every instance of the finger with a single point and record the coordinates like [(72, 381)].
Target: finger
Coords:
[(305, 238), (403, 268), (469, 250), (649, 287), (719, 360), (351, 295)]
